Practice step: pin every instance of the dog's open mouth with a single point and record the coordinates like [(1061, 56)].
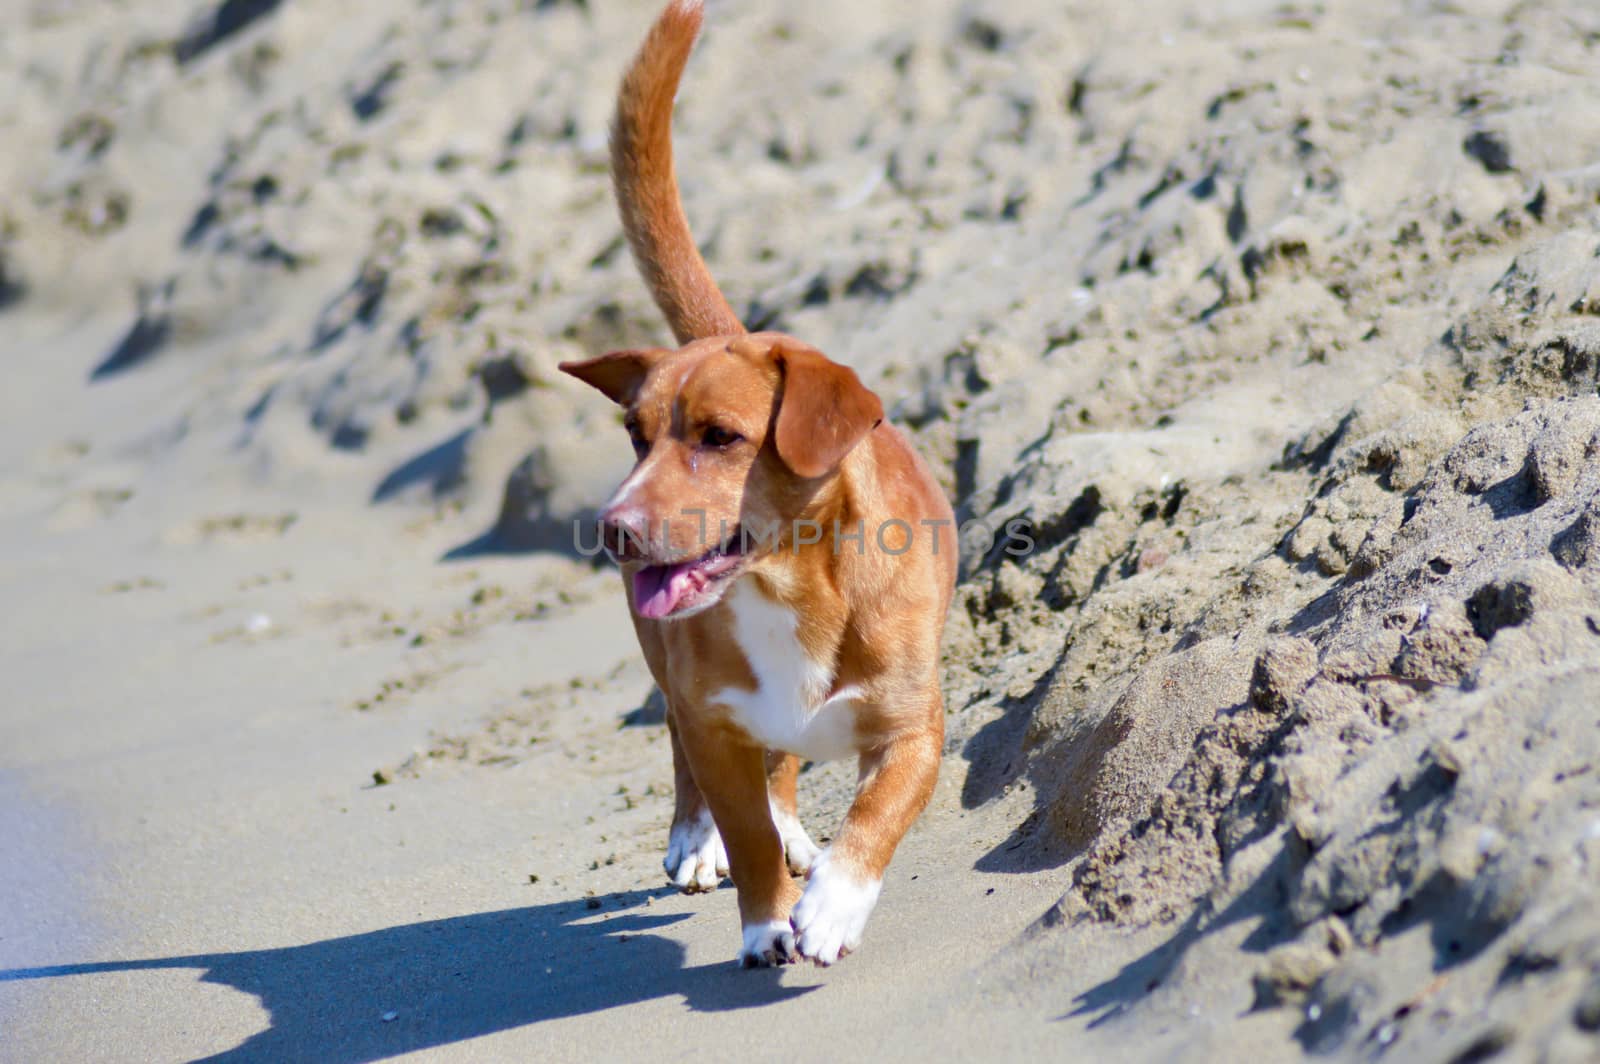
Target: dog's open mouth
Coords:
[(663, 590)]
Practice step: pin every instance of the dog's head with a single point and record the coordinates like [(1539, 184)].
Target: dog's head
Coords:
[(734, 437)]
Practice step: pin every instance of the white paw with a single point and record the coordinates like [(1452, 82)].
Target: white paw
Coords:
[(798, 849), (768, 944), (696, 859), (832, 913)]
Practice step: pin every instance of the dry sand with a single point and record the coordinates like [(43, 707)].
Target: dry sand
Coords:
[(1277, 325)]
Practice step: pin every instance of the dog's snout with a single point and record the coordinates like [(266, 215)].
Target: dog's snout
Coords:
[(623, 531)]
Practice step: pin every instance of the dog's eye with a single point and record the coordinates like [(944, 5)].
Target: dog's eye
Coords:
[(641, 446), (717, 436)]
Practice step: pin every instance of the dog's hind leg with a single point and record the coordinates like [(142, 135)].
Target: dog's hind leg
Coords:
[(783, 770)]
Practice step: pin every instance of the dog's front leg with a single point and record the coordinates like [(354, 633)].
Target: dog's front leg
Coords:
[(896, 781), (733, 779), (696, 858)]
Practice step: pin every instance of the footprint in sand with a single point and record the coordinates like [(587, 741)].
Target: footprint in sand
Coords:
[(88, 507), (231, 528)]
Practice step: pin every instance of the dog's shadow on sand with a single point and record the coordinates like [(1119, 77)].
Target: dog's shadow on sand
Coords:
[(374, 995)]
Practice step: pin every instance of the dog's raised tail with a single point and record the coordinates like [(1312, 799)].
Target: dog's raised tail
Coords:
[(647, 186)]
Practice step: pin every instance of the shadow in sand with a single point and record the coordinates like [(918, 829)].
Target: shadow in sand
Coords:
[(997, 756), (229, 18), (369, 996), (653, 711), (525, 523), (508, 538), (995, 751), (143, 339), (1137, 979), (11, 289), (440, 468), (1262, 901)]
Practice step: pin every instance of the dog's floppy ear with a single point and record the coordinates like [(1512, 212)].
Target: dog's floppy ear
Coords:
[(824, 411), (618, 375)]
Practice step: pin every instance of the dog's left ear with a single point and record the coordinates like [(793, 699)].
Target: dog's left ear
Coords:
[(823, 413), (618, 375)]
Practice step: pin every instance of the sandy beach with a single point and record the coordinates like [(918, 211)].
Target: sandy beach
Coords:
[(1275, 326)]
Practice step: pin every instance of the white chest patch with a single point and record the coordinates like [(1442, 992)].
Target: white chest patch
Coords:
[(790, 709)]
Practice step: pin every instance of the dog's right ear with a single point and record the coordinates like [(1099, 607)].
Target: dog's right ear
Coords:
[(618, 375)]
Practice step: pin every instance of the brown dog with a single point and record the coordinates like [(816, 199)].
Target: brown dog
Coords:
[(789, 561)]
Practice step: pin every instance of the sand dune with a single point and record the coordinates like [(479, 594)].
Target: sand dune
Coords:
[(1273, 325)]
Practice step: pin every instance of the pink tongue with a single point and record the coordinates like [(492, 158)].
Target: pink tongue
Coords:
[(658, 589)]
